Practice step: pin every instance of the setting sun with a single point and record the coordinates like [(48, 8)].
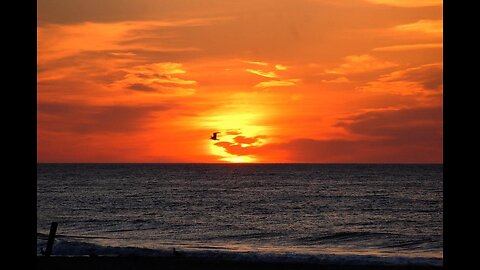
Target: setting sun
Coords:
[(282, 81), (216, 134)]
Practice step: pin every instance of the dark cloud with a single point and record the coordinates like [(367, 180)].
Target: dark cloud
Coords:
[(149, 56), (77, 118), (309, 150), (392, 136), (237, 149), (140, 87), (82, 61), (429, 76), (406, 125), (343, 151), (292, 25), (245, 140), (73, 11), (242, 145), (406, 135)]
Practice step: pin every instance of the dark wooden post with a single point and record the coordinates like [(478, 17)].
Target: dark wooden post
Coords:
[(51, 239)]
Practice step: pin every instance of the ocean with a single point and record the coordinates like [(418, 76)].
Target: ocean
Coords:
[(341, 213)]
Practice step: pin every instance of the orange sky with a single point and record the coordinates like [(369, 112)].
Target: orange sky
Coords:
[(282, 81)]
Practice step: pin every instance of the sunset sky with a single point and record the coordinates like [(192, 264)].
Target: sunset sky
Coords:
[(281, 80)]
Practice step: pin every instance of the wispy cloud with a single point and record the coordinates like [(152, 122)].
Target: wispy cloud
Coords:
[(408, 47), (140, 87), (58, 41), (341, 79), (278, 80), (88, 118), (429, 76), (268, 74), (411, 81), (259, 63), (107, 74), (425, 26), (122, 54), (162, 77), (408, 3), (360, 64), (277, 83)]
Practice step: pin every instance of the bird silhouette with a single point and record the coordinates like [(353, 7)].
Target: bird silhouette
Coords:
[(214, 136)]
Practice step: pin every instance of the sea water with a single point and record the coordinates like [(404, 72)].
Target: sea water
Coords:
[(325, 212)]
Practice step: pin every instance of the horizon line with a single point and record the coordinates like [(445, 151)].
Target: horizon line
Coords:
[(257, 163)]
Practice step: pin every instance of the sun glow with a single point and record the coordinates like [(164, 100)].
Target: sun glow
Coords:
[(239, 159), (318, 83), (228, 157), (239, 133)]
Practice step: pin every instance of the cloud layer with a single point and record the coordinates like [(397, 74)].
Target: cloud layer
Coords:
[(283, 81)]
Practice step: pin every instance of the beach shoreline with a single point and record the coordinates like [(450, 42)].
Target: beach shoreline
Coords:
[(144, 263)]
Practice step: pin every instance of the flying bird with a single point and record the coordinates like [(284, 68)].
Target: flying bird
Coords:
[(214, 136)]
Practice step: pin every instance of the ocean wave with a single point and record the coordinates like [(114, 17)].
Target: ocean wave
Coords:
[(79, 248), (345, 236), (244, 236)]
